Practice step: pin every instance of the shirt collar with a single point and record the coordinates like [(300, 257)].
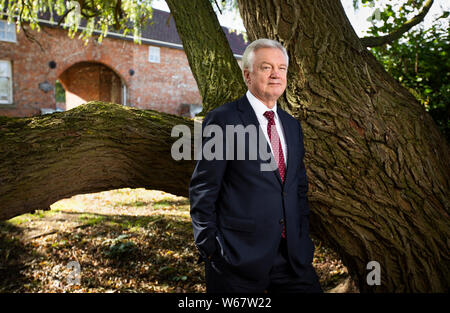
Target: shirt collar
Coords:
[(259, 107)]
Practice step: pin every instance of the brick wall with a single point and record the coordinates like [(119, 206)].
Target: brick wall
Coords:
[(163, 86)]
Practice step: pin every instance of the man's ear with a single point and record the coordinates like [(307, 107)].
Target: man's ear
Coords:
[(246, 76)]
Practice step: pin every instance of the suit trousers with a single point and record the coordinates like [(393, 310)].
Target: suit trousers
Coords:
[(220, 278)]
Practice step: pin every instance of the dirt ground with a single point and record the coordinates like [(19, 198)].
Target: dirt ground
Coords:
[(124, 240)]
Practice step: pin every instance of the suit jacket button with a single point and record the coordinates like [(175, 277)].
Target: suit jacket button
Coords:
[(284, 193), (281, 221)]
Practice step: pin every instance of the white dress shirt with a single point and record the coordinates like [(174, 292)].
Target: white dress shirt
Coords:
[(260, 108)]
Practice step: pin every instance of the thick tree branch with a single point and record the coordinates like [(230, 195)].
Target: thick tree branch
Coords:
[(94, 147), (210, 57), (396, 34)]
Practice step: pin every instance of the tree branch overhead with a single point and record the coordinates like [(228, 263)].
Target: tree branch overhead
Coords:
[(396, 34)]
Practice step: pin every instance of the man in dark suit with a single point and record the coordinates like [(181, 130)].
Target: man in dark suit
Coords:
[(251, 225)]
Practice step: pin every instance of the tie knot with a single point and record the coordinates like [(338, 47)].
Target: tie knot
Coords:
[(269, 115)]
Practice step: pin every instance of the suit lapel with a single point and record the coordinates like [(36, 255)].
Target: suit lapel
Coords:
[(246, 112)]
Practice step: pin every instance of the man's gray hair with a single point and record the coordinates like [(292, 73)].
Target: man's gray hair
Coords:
[(249, 53)]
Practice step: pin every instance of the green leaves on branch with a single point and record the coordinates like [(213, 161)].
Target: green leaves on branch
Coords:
[(101, 16), (398, 23)]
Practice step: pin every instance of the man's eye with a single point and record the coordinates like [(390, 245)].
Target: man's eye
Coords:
[(266, 68)]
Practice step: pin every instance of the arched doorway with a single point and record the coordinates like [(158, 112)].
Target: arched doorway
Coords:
[(89, 81)]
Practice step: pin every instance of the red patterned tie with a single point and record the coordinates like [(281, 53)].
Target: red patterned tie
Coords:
[(276, 148)]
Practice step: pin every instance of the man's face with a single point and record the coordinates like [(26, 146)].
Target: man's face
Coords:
[(267, 81)]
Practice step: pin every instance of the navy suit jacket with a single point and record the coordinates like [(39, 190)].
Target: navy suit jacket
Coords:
[(238, 210)]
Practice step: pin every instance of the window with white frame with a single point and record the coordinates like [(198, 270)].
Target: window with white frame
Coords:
[(154, 54), (7, 31), (5, 82)]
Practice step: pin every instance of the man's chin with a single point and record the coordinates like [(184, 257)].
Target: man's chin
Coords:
[(276, 94)]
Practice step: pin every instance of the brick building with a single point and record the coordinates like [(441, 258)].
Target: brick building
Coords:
[(64, 73)]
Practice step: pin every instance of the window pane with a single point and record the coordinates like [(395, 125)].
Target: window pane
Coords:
[(4, 88), (4, 68), (5, 81), (7, 31), (10, 28), (154, 54), (11, 36)]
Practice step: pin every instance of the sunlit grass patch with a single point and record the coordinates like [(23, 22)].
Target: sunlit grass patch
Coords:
[(38, 214), (161, 204), (91, 219)]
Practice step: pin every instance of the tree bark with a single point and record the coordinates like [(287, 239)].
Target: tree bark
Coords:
[(211, 60), (397, 33), (94, 147), (377, 165)]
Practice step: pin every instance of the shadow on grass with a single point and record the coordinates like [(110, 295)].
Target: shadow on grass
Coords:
[(14, 253), (118, 252), (165, 202), (124, 253)]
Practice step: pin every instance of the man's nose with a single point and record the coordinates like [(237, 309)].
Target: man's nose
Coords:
[(275, 73)]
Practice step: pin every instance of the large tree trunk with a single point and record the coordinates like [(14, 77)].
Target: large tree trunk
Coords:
[(377, 165), (211, 60), (94, 147)]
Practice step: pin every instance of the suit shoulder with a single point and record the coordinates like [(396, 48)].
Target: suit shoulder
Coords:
[(289, 117), (223, 112)]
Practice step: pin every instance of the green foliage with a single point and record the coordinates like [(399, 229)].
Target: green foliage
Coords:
[(129, 16), (91, 219), (60, 93), (422, 65), (420, 59), (119, 247)]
